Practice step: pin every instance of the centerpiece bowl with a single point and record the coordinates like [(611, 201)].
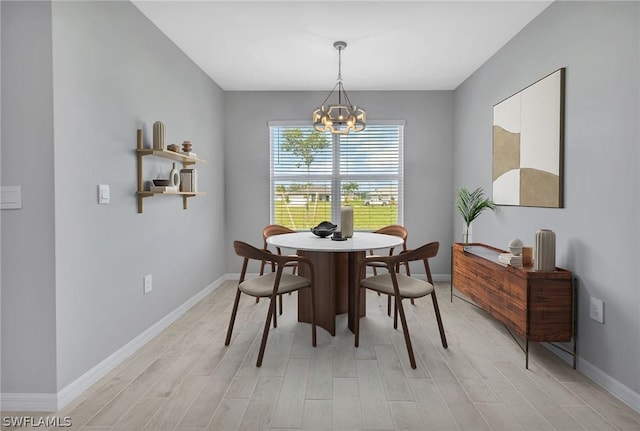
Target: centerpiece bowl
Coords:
[(324, 229)]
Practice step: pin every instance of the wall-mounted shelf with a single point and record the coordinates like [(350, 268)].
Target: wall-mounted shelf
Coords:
[(171, 155)]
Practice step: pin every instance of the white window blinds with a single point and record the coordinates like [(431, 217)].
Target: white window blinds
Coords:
[(314, 174)]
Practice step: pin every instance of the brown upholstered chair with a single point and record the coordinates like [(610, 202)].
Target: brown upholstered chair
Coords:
[(270, 286), (403, 286), (395, 230)]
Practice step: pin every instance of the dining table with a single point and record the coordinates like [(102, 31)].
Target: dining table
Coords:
[(338, 267)]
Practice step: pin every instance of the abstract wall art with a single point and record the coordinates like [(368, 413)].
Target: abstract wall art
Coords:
[(528, 130)]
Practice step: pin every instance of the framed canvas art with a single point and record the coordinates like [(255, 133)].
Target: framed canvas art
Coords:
[(528, 130)]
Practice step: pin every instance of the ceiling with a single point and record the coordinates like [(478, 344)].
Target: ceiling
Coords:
[(288, 45)]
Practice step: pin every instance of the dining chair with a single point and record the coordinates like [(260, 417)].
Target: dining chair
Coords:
[(403, 286), (268, 231), (395, 230), (270, 286)]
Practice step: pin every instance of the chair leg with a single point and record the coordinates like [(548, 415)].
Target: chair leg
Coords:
[(406, 266), (265, 333), (356, 324), (388, 304), (439, 319), (280, 303), (275, 315), (313, 317), (395, 314), (405, 331), (233, 318)]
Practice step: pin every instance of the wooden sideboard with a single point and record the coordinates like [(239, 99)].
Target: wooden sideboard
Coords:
[(537, 306)]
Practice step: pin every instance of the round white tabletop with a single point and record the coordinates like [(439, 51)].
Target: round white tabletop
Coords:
[(361, 241)]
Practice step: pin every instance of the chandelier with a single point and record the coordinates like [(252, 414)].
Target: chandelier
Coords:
[(343, 117)]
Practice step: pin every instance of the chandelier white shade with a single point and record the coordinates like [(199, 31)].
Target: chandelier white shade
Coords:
[(341, 117)]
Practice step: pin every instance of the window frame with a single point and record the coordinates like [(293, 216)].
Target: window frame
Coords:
[(335, 177)]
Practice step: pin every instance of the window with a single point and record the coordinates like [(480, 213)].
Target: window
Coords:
[(314, 174)]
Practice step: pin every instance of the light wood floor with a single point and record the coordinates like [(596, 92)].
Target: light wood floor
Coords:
[(186, 379)]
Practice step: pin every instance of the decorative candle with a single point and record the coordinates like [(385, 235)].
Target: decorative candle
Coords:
[(346, 221)]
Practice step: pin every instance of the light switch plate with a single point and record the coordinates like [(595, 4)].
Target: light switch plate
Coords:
[(104, 194), (11, 197), (147, 284), (596, 310)]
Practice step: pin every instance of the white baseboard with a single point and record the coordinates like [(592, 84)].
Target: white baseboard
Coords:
[(611, 385), (55, 402), (608, 383), (28, 402)]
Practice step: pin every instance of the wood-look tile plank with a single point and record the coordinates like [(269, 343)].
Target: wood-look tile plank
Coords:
[(373, 398), (432, 407), (84, 411), (406, 416), (588, 418), (320, 382), (393, 377), (177, 371), (121, 403), (318, 415), (346, 413), (170, 414), (498, 417), (203, 407), (228, 415), (259, 412), (551, 411), (616, 412), (522, 410), (344, 353), (138, 416), (289, 408)]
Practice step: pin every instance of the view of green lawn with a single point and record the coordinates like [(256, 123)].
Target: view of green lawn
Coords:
[(365, 217)]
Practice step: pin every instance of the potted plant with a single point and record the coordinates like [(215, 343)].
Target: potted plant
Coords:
[(470, 206)]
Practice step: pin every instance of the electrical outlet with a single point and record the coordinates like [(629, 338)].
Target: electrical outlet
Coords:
[(147, 285), (596, 310)]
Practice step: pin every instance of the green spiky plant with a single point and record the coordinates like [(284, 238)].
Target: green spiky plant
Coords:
[(471, 204)]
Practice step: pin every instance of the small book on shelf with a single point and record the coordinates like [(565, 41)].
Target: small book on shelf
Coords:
[(510, 259), (164, 188), (188, 180)]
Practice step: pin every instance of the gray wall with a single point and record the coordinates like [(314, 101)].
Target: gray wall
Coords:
[(77, 130), (28, 249), (598, 230), (428, 160)]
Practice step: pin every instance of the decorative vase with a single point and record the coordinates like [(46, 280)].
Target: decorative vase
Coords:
[(545, 252), (467, 234), (346, 221), (174, 177), (159, 135)]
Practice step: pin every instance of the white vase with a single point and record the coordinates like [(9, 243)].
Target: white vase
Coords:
[(174, 177), (159, 135), (346, 221), (545, 252)]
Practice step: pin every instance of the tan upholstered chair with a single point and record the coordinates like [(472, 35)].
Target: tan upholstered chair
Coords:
[(271, 230), (403, 286), (395, 230), (270, 286)]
